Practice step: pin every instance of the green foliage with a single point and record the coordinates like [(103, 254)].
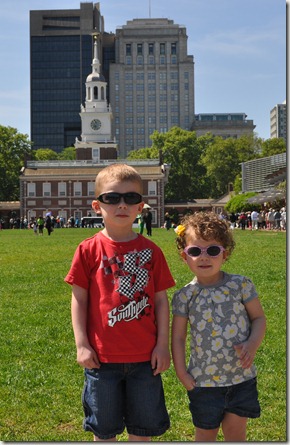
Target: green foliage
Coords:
[(273, 146), (222, 160), (45, 154), (14, 149), (183, 150), (68, 153), (239, 203), (40, 381)]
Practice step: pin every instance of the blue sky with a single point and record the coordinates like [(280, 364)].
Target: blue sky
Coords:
[(239, 49)]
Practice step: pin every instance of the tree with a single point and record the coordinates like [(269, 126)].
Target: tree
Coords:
[(182, 150), (272, 147), (15, 148), (45, 154), (68, 153), (239, 203), (222, 159)]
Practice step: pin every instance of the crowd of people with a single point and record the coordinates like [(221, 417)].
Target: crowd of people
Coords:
[(271, 219)]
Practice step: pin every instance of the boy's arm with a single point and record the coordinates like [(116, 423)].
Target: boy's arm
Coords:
[(179, 333), (247, 350), (86, 355), (160, 359)]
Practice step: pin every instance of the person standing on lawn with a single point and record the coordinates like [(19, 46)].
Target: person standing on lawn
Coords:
[(227, 326), (120, 316)]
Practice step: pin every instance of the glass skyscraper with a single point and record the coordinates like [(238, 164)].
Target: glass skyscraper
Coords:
[(60, 60)]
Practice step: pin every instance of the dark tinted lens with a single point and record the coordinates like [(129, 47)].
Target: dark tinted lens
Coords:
[(132, 198), (213, 250), (110, 198), (194, 251)]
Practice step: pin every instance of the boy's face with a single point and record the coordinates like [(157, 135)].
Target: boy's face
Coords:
[(120, 214)]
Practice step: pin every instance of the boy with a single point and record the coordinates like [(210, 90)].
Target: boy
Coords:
[(120, 316)]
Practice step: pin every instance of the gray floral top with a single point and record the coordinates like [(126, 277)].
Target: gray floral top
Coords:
[(218, 321)]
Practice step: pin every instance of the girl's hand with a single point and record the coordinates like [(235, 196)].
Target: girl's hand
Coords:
[(246, 353), (188, 381)]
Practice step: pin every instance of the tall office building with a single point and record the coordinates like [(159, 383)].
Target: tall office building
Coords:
[(278, 121), (151, 81), (149, 73), (61, 48)]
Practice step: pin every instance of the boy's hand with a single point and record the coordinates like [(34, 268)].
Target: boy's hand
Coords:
[(160, 360), (87, 357)]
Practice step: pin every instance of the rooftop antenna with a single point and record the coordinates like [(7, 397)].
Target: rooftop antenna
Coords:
[(150, 9)]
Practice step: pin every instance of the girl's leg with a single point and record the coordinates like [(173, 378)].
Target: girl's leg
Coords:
[(234, 428), (96, 439), (133, 438), (202, 435)]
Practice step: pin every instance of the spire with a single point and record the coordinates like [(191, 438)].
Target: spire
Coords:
[(96, 62)]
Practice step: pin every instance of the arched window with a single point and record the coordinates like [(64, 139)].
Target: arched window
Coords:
[(96, 93), (103, 93)]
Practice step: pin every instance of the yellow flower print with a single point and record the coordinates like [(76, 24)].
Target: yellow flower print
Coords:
[(211, 369), (217, 344), (230, 331), (242, 324), (201, 325)]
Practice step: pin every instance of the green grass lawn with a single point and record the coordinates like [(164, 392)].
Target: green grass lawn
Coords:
[(40, 381)]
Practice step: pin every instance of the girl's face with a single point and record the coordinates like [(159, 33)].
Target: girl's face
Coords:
[(206, 268)]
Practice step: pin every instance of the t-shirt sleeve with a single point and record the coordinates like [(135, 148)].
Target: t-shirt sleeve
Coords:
[(180, 303), (80, 269), (248, 290)]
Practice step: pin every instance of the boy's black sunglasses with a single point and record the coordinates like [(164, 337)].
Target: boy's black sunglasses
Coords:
[(130, 198), (196, 251)]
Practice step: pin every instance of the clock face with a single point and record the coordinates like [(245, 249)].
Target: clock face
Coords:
[(96, 124)]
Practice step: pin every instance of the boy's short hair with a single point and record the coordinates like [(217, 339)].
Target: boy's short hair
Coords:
[(207, 226), (117, 172)]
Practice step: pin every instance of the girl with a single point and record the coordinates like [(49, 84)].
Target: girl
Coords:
[(227, 325)]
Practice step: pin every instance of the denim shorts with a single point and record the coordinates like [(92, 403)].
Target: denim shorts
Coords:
[(208, 405), (124, 395)]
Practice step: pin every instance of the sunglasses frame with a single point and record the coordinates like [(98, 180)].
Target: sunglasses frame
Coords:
[(119, 196), (204, 250)]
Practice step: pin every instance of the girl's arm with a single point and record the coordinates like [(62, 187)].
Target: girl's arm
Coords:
[(86, 355), (160, 359), (178, 346), (247, 350)]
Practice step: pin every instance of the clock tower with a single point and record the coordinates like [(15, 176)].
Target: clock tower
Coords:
[(96, 116)]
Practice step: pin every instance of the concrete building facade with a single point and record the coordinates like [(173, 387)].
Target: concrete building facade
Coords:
[(278, 121), (151, 81), (225, 125)]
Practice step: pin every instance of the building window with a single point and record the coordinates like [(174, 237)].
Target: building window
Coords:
[(151, 49), (128, 49), (139, 60), (62, 189), (91, 189), (152, 188), (77, 189), (31, 189), (173, 49), (46, 187), (139, 49), (96, 154), (162, 48)]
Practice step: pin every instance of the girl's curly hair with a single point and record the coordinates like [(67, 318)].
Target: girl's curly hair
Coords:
[(207, 226)]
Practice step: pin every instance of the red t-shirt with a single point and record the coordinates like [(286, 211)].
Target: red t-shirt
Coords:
[(122, 279)]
